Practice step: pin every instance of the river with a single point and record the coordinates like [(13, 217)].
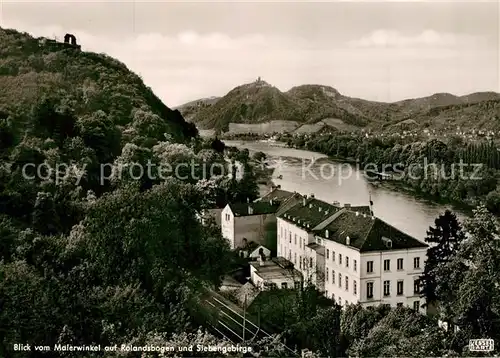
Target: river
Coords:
[(332, 181)]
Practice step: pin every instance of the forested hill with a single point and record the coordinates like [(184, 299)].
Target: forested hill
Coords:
[(84, 84), (260, 102)]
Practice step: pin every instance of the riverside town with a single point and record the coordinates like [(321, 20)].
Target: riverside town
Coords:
[(250, 179)]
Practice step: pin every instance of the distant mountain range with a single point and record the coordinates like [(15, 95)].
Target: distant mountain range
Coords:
[(259, 102)]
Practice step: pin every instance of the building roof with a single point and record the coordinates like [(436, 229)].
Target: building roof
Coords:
[(364, 209), (366, 233), (277, 194), (257, 208), (272, 271), (310, 215)]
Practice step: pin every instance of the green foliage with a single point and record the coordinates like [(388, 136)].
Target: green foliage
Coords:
[(90, 258), (402, 332), (445, 239), (452, 171)]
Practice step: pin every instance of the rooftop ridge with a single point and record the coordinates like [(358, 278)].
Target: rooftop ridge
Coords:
[(329, 220)]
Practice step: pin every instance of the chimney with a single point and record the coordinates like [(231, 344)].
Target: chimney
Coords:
[(250, 210), (304, 200), (248, 200), (278, 186), (348, 240), (347, 206), (261, 262), (312, 196), (271, 202)]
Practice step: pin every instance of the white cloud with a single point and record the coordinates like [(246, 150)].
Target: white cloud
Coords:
[(391, 38), (191, 65)]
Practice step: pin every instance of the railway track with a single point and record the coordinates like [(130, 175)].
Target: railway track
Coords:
[(232, 326)]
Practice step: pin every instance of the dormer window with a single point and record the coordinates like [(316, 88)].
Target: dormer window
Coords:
[(326, 234)]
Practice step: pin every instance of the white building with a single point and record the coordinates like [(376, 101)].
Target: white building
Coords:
[(350, 255), (276, 273), (296, 241), (243, 223)]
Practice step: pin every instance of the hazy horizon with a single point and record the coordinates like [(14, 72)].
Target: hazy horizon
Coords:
[(379, 51)]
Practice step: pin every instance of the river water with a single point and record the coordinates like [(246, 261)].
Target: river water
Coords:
[(332, 181)]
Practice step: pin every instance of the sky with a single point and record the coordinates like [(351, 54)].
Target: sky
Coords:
[(383, 51)]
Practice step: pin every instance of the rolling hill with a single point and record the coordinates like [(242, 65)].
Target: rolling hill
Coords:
[(260, 103), (33, 70)]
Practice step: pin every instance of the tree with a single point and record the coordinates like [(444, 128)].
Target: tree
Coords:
[(402, 332), (493, 201), (476, 303), (445, 239), (45, 218)]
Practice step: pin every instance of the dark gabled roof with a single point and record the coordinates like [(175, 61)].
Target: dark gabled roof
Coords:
[(289, 203), (364, 209), (307, 217), (258, 208), (276, 195), (366, 233)]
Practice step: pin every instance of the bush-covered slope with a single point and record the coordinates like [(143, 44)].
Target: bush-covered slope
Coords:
[(32, 70)]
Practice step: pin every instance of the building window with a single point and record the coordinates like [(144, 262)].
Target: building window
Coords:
[(300, 262), (340, 259), (333, 276), (284, 285), (416, 305), (297, 285), (400, 304), (416, 262), (295, 239), (387, 288), (387, 265), (369, 266), (310, 262), (326, 293), (304, 264), (355, 265), (333, 296), (289, 255), (400, 264), (327, 254), (369, 290), (340, 280), (326, 277), (333, 256), (340, 301), (416, 287), (290, 237), (347, 261), (295, 258), (347, 283), (400, 287), (355, 287)]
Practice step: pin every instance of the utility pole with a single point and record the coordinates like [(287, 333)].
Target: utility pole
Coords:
[(244, 317)]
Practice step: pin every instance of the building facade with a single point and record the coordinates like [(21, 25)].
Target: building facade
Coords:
[(351, 255)]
